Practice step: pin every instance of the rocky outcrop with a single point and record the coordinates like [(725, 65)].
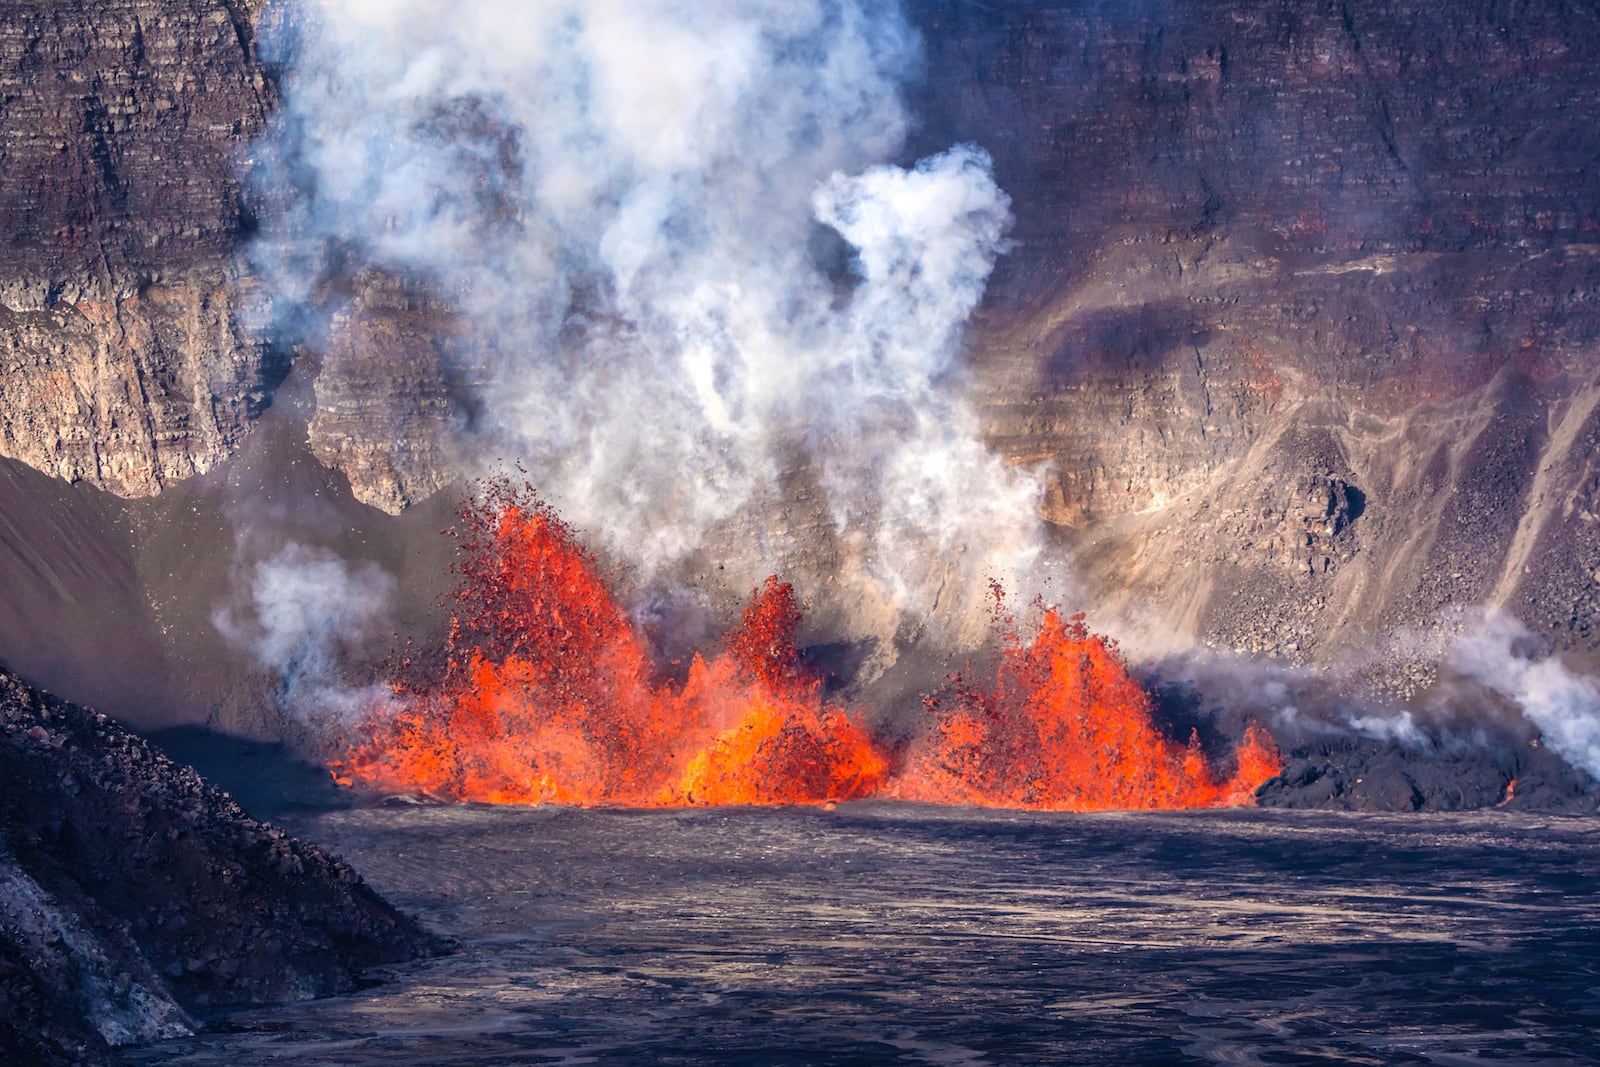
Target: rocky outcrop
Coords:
[(386, 407), (132, 393), (1348, 773), (127, 354), (132, 892), (136, 349)]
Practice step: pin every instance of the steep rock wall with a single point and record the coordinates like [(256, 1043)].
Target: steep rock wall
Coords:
[(1301, 310), (126, 361), (1271, 261)]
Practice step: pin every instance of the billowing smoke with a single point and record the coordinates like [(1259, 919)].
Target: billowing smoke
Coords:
[(1506, 657), (308, 609), (1296, 703), (691, 272)]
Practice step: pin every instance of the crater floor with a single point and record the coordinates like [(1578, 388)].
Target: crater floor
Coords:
[(880, 933)]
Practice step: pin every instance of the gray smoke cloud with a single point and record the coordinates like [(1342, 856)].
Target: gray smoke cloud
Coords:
[(1298, 703), (306, 610), (688, 263), (1503, 655)]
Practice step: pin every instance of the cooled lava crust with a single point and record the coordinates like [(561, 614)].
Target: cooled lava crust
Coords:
[(132, 892)]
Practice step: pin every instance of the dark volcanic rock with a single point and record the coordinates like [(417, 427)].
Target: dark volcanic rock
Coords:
[(131, 890), (1345, 773)]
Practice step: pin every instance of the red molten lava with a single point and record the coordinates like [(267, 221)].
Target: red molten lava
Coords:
[(1066, 727), (547, 694)]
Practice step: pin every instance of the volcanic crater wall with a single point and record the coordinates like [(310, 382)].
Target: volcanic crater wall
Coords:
[(1300, 308), (126, 358)]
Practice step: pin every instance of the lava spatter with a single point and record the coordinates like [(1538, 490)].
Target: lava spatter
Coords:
[(547, 694), (1064, 726)]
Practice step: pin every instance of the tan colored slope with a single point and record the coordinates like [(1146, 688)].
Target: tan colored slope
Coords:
[(1304, 462)]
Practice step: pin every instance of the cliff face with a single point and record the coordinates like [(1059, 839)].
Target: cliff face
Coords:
[(387, 411), (125, 358), (135, 348), (1301, 309)]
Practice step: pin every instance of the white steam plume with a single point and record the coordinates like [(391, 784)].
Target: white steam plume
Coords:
[(687, 263), (307, 608), (1506, 657)]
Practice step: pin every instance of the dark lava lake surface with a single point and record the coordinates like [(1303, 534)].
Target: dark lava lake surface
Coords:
[(900, 934)]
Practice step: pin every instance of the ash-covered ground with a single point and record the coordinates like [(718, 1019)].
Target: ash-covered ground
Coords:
[(879, 934)]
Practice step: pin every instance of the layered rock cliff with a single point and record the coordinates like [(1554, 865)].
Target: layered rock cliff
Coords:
[(1300, 311), (129, 354)]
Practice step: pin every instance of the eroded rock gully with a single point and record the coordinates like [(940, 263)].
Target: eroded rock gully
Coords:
[(1270, 263)]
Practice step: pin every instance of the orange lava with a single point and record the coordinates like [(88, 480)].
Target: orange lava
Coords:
[(1065, 727), (787, 742), (547, 694)]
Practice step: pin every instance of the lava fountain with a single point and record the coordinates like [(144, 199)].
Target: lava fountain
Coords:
[(1064, 726), (547, 693)]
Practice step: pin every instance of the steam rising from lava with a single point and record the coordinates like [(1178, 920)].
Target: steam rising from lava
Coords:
[(306, 606), (1506, 657), (691, 273)]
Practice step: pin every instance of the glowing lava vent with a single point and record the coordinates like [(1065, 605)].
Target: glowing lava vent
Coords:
[(546, 693), (1064, 726)]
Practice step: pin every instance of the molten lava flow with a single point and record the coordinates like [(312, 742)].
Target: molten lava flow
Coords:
[(1066, 727), (785, 742), (546, 694)]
